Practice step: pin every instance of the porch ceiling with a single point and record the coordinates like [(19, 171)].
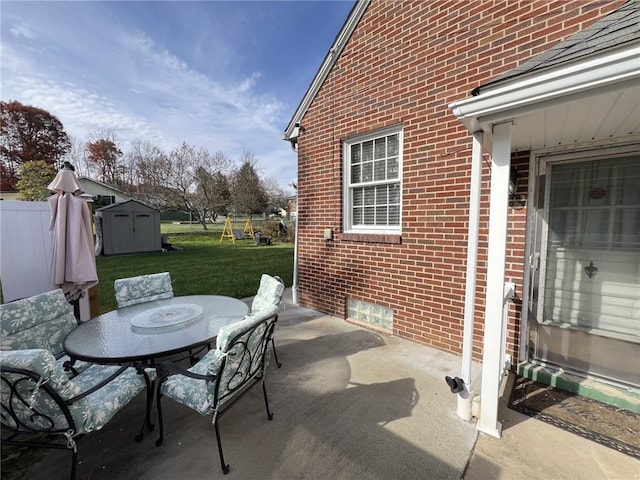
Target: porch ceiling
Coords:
[(594, 99), (599, 118)]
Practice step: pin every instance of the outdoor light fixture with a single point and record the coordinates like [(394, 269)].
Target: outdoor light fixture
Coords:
[(515, 200), (513, 181)]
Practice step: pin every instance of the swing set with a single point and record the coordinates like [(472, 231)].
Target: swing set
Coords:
[(233, 235)]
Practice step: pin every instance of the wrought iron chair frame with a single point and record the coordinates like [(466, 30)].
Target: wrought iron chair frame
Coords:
[(11, 435), (273, 341), (250, 378)]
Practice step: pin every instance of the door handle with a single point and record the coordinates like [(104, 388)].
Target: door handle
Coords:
[(534, 261)]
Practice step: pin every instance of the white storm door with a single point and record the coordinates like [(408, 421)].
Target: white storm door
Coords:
[(587, 301)]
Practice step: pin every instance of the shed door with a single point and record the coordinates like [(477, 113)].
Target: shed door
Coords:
[(120, 233), (144, 233), (585, 301)]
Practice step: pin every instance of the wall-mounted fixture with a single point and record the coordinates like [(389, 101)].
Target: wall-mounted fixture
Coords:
[(515, 200), (328, 234), (513, 181)]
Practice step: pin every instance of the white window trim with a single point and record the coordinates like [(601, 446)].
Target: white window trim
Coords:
[(346, 174)]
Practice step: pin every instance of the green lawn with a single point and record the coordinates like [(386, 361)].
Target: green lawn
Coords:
[(203, 266)]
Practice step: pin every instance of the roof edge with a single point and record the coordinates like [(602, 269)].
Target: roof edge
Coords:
[(293, 128), (511, 98)]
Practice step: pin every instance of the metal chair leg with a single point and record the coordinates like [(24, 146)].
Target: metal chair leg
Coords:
[(225, 467), (273, 344), (160, 422), (266, 401), (147, 416), (74, 462)]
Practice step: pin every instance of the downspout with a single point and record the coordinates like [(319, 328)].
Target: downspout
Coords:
[(466, 396), (294, 288)]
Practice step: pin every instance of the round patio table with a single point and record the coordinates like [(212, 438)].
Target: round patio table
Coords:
[(145, 332)]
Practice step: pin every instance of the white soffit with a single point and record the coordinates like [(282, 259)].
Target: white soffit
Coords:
[(593, 99)]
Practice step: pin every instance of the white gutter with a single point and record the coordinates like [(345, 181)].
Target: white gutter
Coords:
[(294, 288), (610, 70), (465, 397)]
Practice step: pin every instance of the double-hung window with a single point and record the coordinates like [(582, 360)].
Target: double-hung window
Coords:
[(372, 182)]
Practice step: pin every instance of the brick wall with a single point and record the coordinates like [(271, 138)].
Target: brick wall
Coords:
[(404, 64)]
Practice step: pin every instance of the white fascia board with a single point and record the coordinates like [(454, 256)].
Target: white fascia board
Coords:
[(610, 70), (359, 8)]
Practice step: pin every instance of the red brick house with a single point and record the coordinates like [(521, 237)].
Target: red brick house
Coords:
[(469, 178)]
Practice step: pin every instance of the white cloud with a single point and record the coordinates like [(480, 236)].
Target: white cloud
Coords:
[(138, 88), (22, 31)]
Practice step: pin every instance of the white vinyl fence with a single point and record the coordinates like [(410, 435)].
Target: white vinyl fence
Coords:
[(25, 251)]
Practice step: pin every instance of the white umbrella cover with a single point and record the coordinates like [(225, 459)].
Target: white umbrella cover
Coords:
[(73, 265)]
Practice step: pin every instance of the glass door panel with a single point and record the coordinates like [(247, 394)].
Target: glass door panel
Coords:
[(586, 307)]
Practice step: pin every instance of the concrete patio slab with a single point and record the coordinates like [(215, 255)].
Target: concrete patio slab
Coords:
[(348, 403)]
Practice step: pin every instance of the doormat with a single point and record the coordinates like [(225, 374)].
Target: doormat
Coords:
[(596, 421)]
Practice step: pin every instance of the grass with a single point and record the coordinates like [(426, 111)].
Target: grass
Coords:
[(202, 266)]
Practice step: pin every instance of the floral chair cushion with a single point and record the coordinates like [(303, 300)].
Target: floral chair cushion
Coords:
[(42, 363), (88, 414), (229, 332), (243, 345), (193, 392), (269, 294), (40, 321), (143, 288), (109, 399)]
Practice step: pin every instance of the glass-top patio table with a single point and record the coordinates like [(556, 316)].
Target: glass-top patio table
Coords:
[(148, 331)]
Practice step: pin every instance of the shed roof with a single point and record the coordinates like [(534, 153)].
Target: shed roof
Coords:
[(130, 204)]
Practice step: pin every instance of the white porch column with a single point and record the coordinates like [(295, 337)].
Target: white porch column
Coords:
[(493, 318), (465, 397)]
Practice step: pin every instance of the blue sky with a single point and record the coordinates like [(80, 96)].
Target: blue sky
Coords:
[(223, 75)]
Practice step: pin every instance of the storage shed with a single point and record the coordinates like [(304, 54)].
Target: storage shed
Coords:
[(128, 227)]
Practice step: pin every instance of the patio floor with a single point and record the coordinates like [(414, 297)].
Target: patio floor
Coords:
[(348, 403)]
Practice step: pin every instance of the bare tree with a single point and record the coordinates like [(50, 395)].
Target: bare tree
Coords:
[(276, 194), (248, 193), (145, 169), (77, 156), (194, 181)]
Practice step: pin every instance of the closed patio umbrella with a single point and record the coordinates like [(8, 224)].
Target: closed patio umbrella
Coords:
[(73, 264)]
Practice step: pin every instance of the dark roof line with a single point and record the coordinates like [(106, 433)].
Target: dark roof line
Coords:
[(613, 30)]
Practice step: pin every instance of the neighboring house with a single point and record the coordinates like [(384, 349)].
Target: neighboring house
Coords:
[(8, 195), (275, 210), (292, 208), (103, 194), (473, 159)]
